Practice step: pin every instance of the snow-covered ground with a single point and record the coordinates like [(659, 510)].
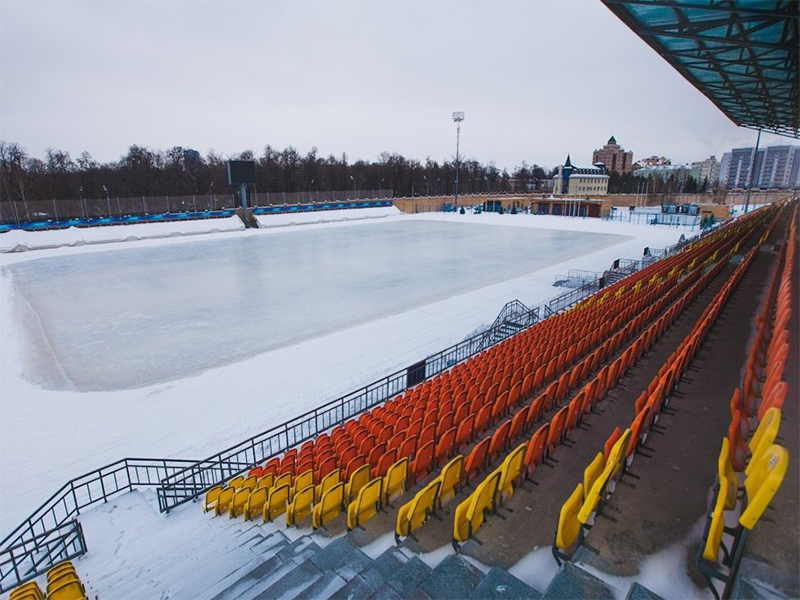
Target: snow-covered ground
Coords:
[(17, 240), (325, 216), (49, 436)]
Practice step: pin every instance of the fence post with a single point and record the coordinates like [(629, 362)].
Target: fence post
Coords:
[(167, 204), (144, 207), (55, 209), (119, 207)]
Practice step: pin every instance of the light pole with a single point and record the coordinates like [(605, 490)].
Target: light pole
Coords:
[(311, 190), (427, 186), (457, 118), (355, 194), (80, 195), (380, 190), (108, 200), (752, 172)]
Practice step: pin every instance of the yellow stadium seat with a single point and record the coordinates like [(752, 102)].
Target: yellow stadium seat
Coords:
[(510, 471), (395, 481), (764, 435), (210, 499), (60, 580), (366, 505), (763, 481), (27, 591), (223, 500), (716, 524), (69, 590), (56, 570), (416, 511), (725, 471), (300, 507), (592, 472), (285, 479), (599, 490), (450, 479), (255, 503), (265, 481), (330, 480), (236, 482), (276, 502), (238, 503), (329, 506), (302, 481), (249, 483), (470, 514), (569, 528), (359, 478)]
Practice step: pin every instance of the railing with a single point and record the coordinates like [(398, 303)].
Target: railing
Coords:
[(190, 482), (35, 535), (36, 554), (576, 278)]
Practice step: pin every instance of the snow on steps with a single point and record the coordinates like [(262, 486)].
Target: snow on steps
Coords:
[(136, 552)]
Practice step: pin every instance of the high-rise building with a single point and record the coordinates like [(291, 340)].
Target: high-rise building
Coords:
[(776, 167), (779, 169), (614, 157), (707, 170)]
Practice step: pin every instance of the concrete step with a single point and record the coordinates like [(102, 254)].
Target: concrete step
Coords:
[(638, 592), (324, 587), (258, 579), (573, 582), (452, 579), (374, 575), (500, 584), (404, 581)]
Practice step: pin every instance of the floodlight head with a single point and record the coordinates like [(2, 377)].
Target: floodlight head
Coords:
[(458, 116)]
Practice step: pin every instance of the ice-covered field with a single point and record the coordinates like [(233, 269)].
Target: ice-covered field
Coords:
[(329, 307)]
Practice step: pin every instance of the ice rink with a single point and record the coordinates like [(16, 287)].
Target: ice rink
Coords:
[(117, 320), (225, 310)]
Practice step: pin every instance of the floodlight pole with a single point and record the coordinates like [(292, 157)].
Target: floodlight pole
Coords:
[(752, 172), (108, 200), (457, 118)]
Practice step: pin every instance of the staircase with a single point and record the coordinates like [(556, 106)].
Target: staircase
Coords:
[(513, 317), (302, 569)]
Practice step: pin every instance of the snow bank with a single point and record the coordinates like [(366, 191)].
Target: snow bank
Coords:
[(18, 240), (325, 216)]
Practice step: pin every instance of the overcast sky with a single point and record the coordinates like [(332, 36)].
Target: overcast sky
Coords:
[(537, 79)]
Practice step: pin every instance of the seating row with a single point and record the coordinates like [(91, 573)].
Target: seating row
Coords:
[(750, 471), (587, 500), (63, 583)]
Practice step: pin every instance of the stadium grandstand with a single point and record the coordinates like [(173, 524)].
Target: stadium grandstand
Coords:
[(564, 458)]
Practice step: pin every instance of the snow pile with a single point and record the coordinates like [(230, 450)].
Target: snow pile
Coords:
[(325, 216), (18, 240)]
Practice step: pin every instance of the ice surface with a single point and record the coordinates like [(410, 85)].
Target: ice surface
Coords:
[(125, 319)]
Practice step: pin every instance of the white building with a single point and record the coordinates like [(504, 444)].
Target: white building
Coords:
[(580, 180), (776, 167)]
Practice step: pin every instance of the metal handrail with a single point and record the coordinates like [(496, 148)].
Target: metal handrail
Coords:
[(81, 492), (21, 562)]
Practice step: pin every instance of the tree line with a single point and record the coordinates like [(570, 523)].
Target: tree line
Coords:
[(182, 171)]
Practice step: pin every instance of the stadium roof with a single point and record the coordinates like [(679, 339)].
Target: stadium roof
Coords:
[(742, 54)]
